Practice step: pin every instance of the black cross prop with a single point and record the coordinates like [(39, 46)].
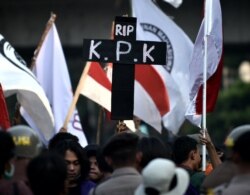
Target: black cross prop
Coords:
[(124, 51)]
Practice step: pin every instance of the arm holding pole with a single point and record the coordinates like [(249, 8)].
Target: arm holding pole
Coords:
[(215, 160)]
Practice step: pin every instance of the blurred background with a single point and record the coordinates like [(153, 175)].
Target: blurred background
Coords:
[(22, 24)]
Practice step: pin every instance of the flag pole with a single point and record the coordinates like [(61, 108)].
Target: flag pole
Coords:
[(49, 24), (207, 24), (100, 114), (17, 116), (76, 95), (99, 123)]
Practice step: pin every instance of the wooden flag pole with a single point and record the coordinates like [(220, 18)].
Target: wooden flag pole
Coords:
[(99, 124), (76, 95), (47, 28), (100, 114), (17, 116)]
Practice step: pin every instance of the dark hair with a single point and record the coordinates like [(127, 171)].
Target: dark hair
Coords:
[(91, 150), (242, 147), (60, 136), (102, 163), (7, 149), (151, 148), (75, 147), (121, 148), (182, 147), (96, 151), (47, 174)]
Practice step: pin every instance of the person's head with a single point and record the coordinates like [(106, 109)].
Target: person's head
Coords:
[(232, 137), (47, 174), (7, 152), (61, 136), (241, 149), (235, 134), (102, 163), (27, 141), (120, 150), (162, 177), (76, 159), (94, 174), (150, 148), (185, 150)]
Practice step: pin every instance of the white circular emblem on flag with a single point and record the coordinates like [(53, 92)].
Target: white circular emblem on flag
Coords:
[(164, 38)]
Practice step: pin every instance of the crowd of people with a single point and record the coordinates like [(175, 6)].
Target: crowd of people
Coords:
[(128, 163)]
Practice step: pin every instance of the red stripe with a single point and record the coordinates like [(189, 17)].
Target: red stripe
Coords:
[(98, 74), (213, 87), (147, 76), (152, 82), (4, 115)]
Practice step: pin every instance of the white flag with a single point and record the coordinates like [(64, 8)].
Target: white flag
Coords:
[(213, 20), (154, 25), (52, 72), (175, 3), (17, 79)]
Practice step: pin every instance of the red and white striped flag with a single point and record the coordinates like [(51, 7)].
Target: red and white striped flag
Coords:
[(154, 25), (148, 106), (213, 33), (96, 86)]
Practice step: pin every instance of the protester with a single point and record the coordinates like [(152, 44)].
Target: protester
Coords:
[(77, 167), (223, 173), (187, 155), (104, 167), (7, 154), (162, 177), (212, 157), (28, 146), (150, 148), (60, 136), (95, 174), (47, 174), (239, 184), (120, 153)]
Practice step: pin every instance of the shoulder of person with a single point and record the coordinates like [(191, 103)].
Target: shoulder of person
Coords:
[(88, 183), (198, 174), (87, 186)]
